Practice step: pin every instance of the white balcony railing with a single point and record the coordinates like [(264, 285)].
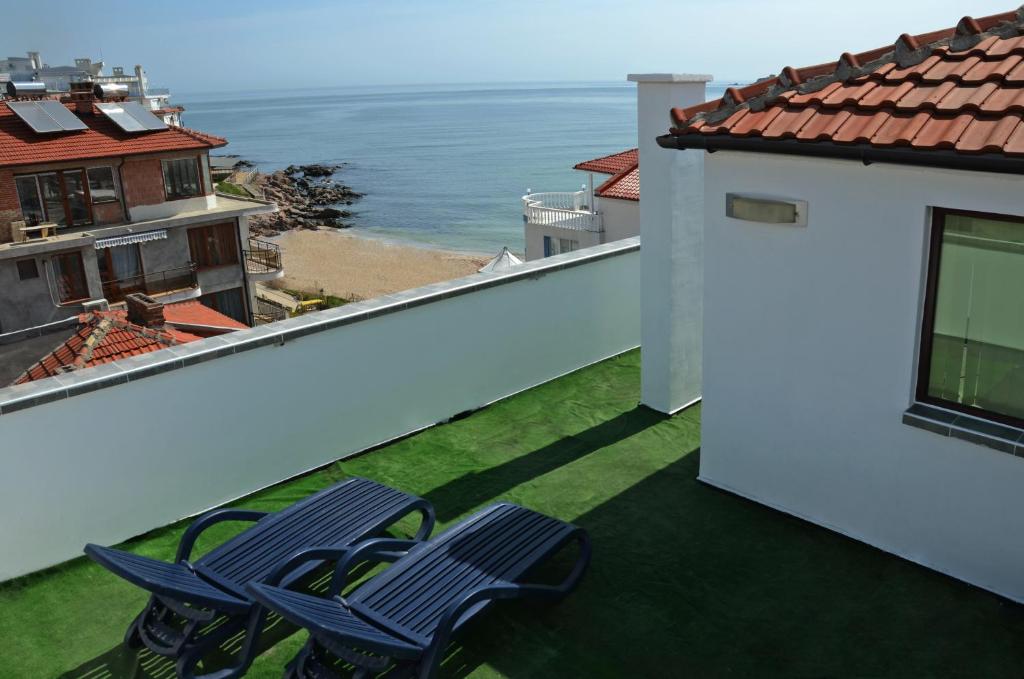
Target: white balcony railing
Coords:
[(565, 209)]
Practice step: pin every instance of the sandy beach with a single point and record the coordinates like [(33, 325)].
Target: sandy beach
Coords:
[(357, 268)]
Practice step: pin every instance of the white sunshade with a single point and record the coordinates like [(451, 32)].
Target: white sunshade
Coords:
[(504, 261), (143, 237)]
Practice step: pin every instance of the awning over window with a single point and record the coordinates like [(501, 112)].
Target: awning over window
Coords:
[(143, 237)]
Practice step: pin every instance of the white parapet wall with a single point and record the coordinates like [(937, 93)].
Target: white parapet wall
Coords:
[(104, 454)]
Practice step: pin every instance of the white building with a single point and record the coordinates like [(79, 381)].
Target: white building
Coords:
[(833, 260), (558, 222), (59, 79)]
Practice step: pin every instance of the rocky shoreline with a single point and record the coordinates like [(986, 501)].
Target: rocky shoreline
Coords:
[(306, 196)]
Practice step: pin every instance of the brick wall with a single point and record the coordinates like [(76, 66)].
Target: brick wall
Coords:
[(107, 213), (143, 181), (10, 210)]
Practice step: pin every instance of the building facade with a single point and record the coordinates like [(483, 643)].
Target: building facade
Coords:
[(96, 213), (558, 222), (841, 253), (59, 79)]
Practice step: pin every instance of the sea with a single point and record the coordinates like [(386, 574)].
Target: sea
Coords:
[(441, 166)]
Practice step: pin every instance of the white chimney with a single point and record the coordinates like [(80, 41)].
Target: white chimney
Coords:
[(672, 245), (142, 81), (35, 61)]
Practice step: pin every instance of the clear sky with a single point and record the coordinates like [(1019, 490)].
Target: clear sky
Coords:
[(192, 45)]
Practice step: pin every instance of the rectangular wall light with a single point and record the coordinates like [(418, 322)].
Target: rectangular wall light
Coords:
[(766, 210)]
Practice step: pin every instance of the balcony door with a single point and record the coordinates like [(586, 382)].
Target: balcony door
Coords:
[(121, 271), (58, 197), (69, 273)]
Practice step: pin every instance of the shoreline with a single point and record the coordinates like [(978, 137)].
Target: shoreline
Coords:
[(398, 241), (355, 266)]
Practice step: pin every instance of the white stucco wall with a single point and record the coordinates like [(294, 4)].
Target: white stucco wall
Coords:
[(170, 208), (117, 461), (672, 228), (621, 218), (535, 238), (810, 351)]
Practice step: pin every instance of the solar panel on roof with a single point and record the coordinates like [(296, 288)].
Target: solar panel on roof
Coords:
[(60, 113), (144, 117), (47, 116), (131, 117), (120, 117)]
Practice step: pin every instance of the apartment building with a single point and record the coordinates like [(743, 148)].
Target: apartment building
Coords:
[(99, 198), (557, 222)]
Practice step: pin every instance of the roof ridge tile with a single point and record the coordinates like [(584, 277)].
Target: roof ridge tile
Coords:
[(923, 89)]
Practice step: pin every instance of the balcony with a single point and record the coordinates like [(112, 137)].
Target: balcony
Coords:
[(566, 210), (683, 575), (263, 260), (180, 282), (264, 312)]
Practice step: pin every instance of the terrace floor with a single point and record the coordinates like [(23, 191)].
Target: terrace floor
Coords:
[(685, 579)]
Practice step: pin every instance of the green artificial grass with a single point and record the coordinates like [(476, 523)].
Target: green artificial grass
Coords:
[(685, 580), (233, 189)]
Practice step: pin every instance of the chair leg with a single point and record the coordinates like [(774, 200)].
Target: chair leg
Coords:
[(132, 636)]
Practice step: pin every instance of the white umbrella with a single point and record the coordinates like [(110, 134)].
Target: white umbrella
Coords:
[(502, 263)]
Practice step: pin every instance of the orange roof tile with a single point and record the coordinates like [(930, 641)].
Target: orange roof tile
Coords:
[(625, 185), (960, 89), (194, 312), (106, 336), (19, 145), (611, 164), (102, 337)]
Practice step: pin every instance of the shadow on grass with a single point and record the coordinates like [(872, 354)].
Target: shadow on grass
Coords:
[(688, 580), (123, 662), (469, 491)]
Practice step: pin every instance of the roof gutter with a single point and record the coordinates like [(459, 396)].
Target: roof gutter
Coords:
[(865, 154)]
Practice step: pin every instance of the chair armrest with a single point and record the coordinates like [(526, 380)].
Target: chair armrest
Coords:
[(376, 549), (302, 556), (188, 538), (506, 590)]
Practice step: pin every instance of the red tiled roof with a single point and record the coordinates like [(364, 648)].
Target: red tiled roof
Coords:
[(102, 337), (613, 164), (19, 145), (960, 89), (105, 336), (625, 185), (194, 312)]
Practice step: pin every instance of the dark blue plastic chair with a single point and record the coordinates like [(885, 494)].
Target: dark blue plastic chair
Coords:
[(404, 617), (282, 547)]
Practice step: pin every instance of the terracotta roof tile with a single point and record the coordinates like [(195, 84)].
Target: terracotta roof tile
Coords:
[(107, 336), (959, 88), (624, 186), (611, 164), (19, 145), (194, 312)]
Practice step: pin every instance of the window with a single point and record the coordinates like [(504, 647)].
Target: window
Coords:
[(53, 198), (556, 246), (231, 303), (31, 203), (972, 350), (70, 276), (102, 188), (181, 178), (58, 197), (27, 269), (120, 271), (213, 245)]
